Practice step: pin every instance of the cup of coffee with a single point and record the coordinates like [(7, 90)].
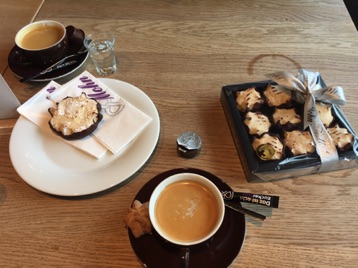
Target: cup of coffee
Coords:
[(186, 209), (44, 42)]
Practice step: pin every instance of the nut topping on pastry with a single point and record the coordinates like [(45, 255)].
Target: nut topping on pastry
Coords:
[(75, 117)]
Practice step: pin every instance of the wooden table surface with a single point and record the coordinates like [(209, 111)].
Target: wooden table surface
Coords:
[(180, 53)]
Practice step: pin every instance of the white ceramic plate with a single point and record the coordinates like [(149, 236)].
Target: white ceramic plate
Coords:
[(52, 166)]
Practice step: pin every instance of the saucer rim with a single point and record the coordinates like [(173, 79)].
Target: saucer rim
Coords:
[(56, 74)]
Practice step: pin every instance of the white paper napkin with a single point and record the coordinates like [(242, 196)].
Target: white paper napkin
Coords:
[(8, 101), (121, 122)]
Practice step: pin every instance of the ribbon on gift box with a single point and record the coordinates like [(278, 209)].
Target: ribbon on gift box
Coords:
[(308, 87)]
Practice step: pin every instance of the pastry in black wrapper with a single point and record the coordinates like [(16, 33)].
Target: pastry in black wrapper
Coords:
[(286, 119), (249, 100), (257, 123), (278, 96), (341, 138), (75, 117), (268, 147), (299, 142)]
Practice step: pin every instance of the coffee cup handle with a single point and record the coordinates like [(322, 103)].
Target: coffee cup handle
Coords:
[(75, 36), (184, 255)]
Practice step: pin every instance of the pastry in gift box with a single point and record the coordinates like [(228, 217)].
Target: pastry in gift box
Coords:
[(325, 113), (278, 97), (287, 119), (268, 147), (257, 123), (75, 117), (341, 137), (249, 100), (299, 142)]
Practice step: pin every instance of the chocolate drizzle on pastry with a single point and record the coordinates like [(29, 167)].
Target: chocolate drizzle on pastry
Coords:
[(249, 100), (299, 142), (278, 97), (341, 138), (287, 119), (257, 123)]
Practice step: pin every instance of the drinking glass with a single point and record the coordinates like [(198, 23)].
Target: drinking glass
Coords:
[(101, 48)]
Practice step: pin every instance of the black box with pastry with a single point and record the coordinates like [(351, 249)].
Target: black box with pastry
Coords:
[(289, 126)]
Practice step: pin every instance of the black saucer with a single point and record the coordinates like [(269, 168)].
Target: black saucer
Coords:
[(219, 251), (22, 67)]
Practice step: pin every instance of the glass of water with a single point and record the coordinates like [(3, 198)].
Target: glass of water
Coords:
[(101, 48)]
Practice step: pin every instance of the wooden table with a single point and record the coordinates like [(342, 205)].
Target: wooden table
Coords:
[(181, 54)]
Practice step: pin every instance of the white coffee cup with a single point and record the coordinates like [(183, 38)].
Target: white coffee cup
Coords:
[(186, 209)]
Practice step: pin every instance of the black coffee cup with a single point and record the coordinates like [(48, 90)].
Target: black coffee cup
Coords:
[(43, 42)]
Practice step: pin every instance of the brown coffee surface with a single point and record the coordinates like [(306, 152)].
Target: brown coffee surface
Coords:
[(41, 37), (186, 211)]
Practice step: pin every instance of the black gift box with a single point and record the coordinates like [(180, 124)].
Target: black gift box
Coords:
[(256, 169)]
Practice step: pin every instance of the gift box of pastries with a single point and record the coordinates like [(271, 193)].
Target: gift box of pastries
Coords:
[(289, 126)]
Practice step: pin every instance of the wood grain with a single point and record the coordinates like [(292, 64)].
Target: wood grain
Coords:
[(181, 53)]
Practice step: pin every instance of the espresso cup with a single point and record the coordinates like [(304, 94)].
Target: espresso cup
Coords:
[(186, 209), (44, 42)]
